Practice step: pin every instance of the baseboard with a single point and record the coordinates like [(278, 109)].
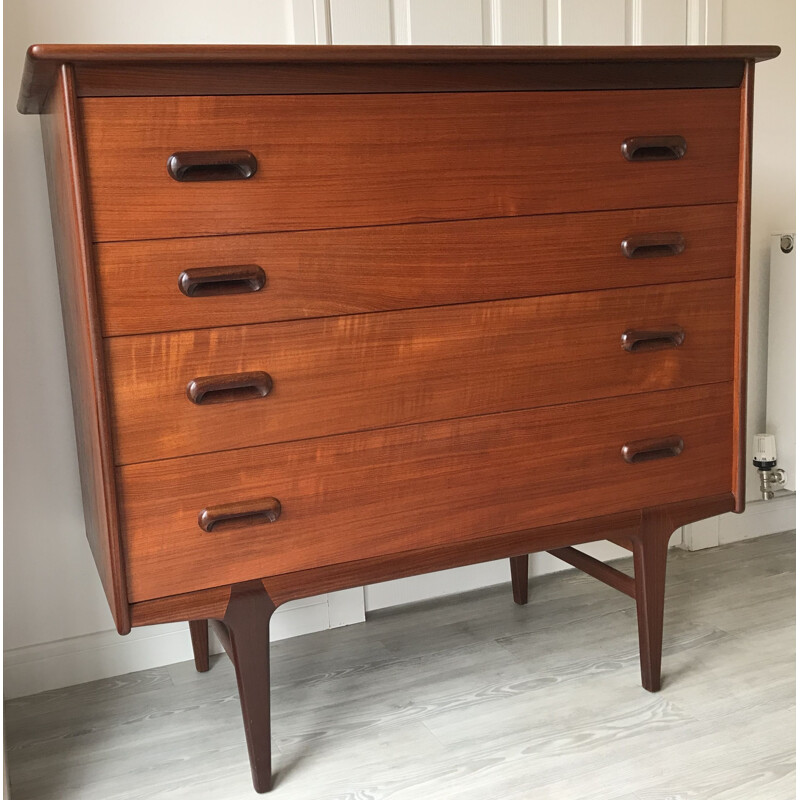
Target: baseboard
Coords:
[(760, 518), (53, 665)]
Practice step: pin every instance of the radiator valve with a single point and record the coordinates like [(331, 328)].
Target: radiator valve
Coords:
[(765, 460)]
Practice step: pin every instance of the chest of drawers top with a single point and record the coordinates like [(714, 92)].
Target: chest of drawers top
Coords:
[(176, 70)]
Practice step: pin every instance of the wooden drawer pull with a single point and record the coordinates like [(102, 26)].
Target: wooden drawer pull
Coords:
[(229, 388), (212, 165), (240, 515), (653, 245), (639, 341), (216, 281), (654, 148), (652, 449)]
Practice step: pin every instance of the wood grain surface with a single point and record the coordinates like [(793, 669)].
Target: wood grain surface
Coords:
[(742, 301), (148, 70), (332, 272), (346, 160), (619, 528), (377, 370), (382, 492), (79, 307), (292, 585), (191, 54), (99, 79)]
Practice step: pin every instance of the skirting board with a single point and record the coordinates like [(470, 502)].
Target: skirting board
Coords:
[(760, 518), (52, 665)]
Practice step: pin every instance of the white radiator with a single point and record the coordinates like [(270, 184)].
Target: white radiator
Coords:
[(781, 353)]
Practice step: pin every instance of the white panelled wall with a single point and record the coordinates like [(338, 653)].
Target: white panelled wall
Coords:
[(508, 22), (57, 627)]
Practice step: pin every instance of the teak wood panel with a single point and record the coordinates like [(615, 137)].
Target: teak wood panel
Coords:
[(333, 272), (211, 603), (145, 70), (99, 79), (350, 160), (742, 292), (369, 494), (79, 307), (374, 370)]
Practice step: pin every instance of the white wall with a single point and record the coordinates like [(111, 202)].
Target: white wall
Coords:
[(51, 589), (773, 188)]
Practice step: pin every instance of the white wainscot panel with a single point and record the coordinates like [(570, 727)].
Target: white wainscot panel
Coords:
[(360, 22), (438, 21), (517, 21), (591, 21), (661, 22)]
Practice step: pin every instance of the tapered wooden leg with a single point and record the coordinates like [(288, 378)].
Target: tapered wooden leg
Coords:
[(519, 579), (199, 631), (244, 633), (650, 571)]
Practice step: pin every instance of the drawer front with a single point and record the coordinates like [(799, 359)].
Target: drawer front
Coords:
[(351, 497), (329, 161), (201, 391), (153, 286)]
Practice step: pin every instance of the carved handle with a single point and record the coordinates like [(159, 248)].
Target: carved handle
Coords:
[(653, 245), (215, 281), (638, 341), (212, 165), (652, 449), (228, 388), (240, 515), (654, 148)]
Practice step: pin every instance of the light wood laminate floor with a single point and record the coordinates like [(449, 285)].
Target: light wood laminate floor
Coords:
[(466, 698)]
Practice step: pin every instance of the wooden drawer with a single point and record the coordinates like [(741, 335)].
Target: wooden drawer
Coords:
[(349, 160), (350, 497), (357, 372), (332, 272)]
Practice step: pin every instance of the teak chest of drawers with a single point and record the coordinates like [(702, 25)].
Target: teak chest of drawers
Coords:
[(338, 315)]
